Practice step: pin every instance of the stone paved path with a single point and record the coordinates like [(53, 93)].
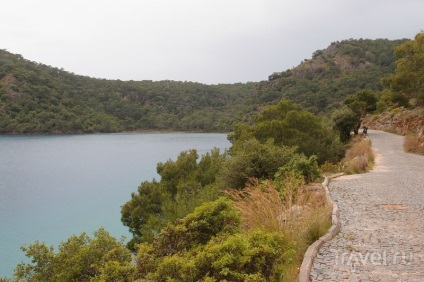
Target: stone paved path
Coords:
[(382, 219)]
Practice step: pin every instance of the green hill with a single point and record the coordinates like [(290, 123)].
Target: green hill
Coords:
[(36, 98), (323, 82)]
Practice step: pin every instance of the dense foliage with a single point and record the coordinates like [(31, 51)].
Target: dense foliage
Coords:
[(288, 124), (294, 141), (207, 246), (184, 185), (80, 258)]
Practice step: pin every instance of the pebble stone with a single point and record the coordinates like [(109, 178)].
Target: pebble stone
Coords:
[(382, 220)]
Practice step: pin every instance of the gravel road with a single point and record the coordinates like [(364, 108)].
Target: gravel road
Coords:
[(382, 219)]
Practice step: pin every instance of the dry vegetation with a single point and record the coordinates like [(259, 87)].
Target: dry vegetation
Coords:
[(302, 217), (414, 144), (359, 157)]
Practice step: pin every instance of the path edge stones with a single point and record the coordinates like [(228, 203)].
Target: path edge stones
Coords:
[(312, 251)]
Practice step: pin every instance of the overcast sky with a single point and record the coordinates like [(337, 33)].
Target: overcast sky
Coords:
[(209, 41)]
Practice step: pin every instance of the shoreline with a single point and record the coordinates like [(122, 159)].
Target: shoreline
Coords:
[(142, 131)]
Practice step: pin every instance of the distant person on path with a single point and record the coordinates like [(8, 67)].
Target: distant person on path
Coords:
[(365, 130)]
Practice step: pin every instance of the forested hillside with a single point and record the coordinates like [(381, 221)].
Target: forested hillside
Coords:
[(39, 98), (323, 82), (35, 98)]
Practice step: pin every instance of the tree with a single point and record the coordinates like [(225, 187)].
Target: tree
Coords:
[(174, 172), (409, 76), (184, 185), (345, 120), (143, 213), (80, 258), (361, 103)]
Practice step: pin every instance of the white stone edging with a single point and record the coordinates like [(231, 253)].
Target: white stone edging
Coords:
[(312, 251)]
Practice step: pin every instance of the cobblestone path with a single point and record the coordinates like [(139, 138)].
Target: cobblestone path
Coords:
[(382, 220)]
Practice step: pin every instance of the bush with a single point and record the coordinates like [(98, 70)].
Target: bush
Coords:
[(197, 228), (250, 158), (307, 168), (243, 257)]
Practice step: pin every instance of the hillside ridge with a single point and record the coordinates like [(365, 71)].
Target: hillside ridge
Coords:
[(36, 98)]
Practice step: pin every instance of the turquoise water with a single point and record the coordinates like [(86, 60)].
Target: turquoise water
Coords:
[(53, 186)]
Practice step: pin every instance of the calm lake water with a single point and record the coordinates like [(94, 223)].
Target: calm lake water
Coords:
[(54, 186)]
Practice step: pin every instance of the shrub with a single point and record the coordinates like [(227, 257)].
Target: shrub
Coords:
[(250, 158), (197, 228), (307, 168), (244, 257)]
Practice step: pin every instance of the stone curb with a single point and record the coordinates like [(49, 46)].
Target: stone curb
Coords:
[(312, 251)]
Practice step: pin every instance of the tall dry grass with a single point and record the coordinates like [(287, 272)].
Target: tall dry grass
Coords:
[(302, 217), (359, 158), (414, 144), (259, 204)]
